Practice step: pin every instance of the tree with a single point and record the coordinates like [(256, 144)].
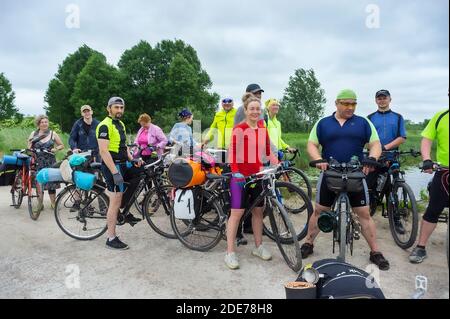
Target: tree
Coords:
[(8, 109), (303, 103), (95, 84), (162, 80), (58, 96)]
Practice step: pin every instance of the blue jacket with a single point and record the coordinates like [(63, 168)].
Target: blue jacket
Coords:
[(390, 125), (79, 139)]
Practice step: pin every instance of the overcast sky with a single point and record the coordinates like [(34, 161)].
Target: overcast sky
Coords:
[(241, 42)]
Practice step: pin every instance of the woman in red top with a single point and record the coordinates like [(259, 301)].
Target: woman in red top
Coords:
[(250, 145)]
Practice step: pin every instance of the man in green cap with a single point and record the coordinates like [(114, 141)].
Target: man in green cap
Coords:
[(342, 136)]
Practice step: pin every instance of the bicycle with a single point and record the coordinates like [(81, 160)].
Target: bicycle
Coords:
[(295, 175), (25, 183), (81, 214), (206, 226), (400, 207), (342, 178)]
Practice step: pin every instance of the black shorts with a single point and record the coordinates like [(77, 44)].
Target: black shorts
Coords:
[(326, 198), (438, 197), (244, 199), (109, 180)]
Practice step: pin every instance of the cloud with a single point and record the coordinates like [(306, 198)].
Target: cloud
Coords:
[(241, 42)]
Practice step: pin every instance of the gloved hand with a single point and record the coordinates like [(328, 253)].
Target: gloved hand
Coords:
[(280, 155), (370, 162), (118, 179), (427, 165), (239, 179)]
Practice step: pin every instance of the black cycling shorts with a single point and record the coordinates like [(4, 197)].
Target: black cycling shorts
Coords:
[(326, 198), (438, 197)]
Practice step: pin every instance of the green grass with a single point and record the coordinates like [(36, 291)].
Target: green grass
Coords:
[(16, 138)]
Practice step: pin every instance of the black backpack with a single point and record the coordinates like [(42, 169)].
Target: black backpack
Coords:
[(344, 281)]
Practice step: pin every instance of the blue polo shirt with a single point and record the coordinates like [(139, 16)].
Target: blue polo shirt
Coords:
[(389, 125), (343, 142)]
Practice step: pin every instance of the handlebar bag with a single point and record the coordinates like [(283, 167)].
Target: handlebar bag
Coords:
[(338, 182)]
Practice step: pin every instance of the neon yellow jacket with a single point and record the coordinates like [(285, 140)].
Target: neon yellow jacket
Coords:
[(274, 128), (222, 128)]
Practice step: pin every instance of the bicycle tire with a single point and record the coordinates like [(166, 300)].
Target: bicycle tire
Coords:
[(299, 220), (293, 260), (402, 241), (301, 180), (61, 202), (211, 229), (34, 200), (17, 191), (343, 231), (155, 213)]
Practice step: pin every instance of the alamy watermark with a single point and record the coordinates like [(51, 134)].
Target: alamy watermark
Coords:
[(73, 18), (373, 19), (72, 280)]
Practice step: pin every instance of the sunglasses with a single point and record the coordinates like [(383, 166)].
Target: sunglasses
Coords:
[(227, 101)]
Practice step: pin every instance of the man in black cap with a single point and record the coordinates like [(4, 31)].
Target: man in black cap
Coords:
[(240, 114)]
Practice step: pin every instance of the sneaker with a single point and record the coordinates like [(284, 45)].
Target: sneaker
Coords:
[(306, 250), (117, 244), (378, 259), (262, 253), (131, 219), (418, 255), (399, 229), (231, 261)]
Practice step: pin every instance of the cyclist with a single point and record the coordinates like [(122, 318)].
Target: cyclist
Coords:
[(250, 144), (83, 135), (48, 140), (256, 90), (222, 126), (342, 136), (115, 153), (181, 133), (274, 127), (391, 130), (150, 138), (437, 130)]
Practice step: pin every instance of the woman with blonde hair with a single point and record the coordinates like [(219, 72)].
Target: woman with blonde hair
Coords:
[(150, 138), (48, 143)]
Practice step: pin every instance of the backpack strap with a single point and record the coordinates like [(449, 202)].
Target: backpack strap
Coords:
[(440, 119), (266, 119)]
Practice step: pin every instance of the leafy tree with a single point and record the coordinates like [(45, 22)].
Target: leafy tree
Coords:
[(8, 109), (58, 96), (95, 84), (303, 103)]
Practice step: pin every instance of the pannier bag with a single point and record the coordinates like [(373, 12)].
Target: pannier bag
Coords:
[(49, 175), (84, 181), (351, 182), (7, 174), (184, 173), (340, 280)]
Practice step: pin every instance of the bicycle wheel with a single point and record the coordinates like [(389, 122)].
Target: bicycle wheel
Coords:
[(299, 178), (82, 214), (35, 196), (207, 229), (17, 191), (402, 209), (343, 229), (292, 198), (284, 232), (156, 208), (139, 201)]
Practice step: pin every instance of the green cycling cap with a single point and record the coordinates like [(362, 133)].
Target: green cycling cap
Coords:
[(346, 95)]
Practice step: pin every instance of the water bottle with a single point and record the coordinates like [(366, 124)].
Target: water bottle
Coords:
[(381, 181)]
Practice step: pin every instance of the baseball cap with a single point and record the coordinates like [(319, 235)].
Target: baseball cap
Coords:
[(116, 100), (85, 107), (185, 113), (254, 88), (383, 93), (346, 94)]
